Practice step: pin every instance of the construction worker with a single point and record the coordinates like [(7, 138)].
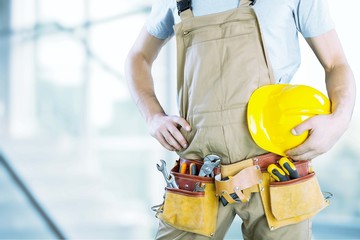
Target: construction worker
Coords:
[(222, 58)]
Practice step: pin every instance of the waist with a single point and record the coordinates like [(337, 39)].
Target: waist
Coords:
[(222, 117), (262, 161)]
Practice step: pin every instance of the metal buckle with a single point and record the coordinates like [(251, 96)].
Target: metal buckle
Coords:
[(183, 5)]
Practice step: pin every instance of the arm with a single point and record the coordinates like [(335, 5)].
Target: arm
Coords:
[(325, 130), (138, 75)]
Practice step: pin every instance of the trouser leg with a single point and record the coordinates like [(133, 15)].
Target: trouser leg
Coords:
[(255, 225)]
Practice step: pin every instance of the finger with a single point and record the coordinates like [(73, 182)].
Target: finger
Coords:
[(183, 123), (298, 156), (164, 143), (171, 140), (305, 156), (178, 136), (295, 154), (302, 152), (302, 127)]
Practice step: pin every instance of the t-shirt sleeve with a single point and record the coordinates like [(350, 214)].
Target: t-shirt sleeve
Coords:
[(161, 19), (313, 17)]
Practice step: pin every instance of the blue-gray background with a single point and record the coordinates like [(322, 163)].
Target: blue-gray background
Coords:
[(70, 132)]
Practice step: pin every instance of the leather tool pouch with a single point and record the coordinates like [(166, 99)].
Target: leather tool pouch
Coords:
[(291, 201), (186, 209)]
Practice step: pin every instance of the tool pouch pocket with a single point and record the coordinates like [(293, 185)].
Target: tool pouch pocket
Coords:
[(291, 201), (187, 209)]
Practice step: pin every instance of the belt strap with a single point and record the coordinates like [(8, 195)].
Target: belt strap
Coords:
[(246, 178), (263, 161), (243, 177)]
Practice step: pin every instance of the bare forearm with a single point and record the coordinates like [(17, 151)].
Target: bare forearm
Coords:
[(166, 129), (340, 84), (325, 130), (140, 83), (340, 81), (138, 73)]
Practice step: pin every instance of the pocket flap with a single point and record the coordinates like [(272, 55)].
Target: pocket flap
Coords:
[(296, 197)]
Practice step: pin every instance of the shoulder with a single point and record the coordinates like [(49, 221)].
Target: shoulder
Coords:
[(164, 5), (312, 17), (161, 19)]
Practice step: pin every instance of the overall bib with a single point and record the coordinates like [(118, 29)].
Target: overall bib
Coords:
[(221, 61)]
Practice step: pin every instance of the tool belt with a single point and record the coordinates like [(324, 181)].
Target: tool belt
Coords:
[(192, 210)]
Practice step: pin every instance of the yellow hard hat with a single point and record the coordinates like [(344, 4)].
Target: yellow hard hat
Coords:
[(274, 110)]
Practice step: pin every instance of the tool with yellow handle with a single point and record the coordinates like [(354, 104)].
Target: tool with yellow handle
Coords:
[(289, 167), (277, 173), (182, 168)]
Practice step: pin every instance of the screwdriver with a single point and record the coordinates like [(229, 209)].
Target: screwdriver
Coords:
[(289, 167), (182, 168), (193, 169), (277, 173)]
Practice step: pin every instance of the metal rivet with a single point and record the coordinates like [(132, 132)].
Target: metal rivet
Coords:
[(262, 189), (236, 188), (272, 228), (211, 234), (186, 186)]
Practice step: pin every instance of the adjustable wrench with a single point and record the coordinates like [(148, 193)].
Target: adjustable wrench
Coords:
[(170, 179)]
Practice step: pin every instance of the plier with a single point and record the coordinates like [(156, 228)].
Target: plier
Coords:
[(210, 162)]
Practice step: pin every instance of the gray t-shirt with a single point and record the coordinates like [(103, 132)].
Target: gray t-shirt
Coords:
[(280, 22)]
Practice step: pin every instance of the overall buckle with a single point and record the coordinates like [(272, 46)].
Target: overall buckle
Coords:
[(183, 5)]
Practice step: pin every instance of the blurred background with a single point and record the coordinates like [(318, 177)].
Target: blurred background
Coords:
[(76, 160)]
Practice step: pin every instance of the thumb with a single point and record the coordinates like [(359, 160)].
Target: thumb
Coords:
[(301, 128)]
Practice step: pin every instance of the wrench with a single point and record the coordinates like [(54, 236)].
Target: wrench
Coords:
[(199, 188), (170, 179), (210, 162)]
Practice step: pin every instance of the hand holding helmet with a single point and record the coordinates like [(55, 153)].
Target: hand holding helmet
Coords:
[(275, 110)]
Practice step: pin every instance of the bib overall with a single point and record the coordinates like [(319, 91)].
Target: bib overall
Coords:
[(221, 61)]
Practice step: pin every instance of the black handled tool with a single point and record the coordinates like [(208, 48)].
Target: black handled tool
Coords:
[(277, 173), (225, 202), (233, 195), (289, 167)]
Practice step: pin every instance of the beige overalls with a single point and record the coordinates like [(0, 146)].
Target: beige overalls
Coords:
[(221, 61)]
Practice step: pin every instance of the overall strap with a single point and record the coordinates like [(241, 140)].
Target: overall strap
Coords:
[(184, 9), (247, 3)]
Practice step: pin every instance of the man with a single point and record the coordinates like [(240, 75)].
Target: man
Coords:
[(210, 72)]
